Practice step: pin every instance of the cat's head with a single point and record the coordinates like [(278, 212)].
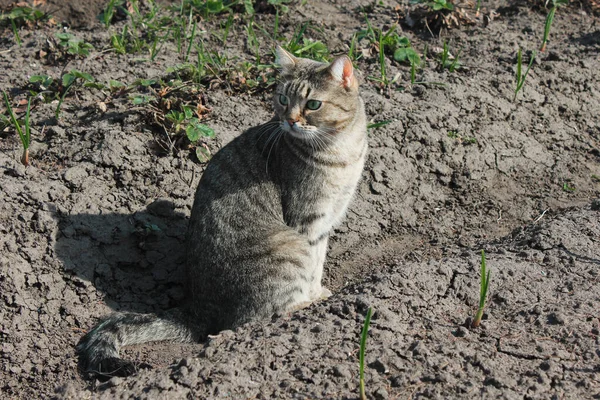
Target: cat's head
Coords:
[(315, 98)]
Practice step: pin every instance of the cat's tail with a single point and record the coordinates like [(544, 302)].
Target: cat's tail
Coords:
[(98, 350)]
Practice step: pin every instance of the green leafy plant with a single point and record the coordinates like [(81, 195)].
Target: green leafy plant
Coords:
[(567, 187), (462, 139), (69, 80), (520, 76), (109, 11), (24, 136), (435, 5), (301, 46), (72, 45), (483, 291), (549, 19), (379, 124), (206, 7), (388, 43), (446, 61), (363, 348), (22, 16)]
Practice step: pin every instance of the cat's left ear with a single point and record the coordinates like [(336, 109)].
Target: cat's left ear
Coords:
[(285, 59), (341, 70)]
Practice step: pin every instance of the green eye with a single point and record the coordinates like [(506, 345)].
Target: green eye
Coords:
[(313, 104), (283, 100)]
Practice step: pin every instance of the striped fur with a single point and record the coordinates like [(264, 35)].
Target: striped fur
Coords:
[(262, 215)]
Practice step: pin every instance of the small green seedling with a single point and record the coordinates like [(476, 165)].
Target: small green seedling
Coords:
[(435, 5), (363, 348), (72, 45), (379, 124), (466, 140), (568, 188), (301, 46), (483, 290), (107, 15), (24, 136), (19, 16), (68, 82), (549, 19), (445, 59), (520, 77)]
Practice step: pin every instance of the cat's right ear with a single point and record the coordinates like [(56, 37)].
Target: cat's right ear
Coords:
[(285, 59)]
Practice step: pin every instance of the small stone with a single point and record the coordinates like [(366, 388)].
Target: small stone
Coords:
[(462, 332), (596, 204), (381, 394)]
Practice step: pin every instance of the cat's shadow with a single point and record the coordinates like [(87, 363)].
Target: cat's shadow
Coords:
[(135, 261)]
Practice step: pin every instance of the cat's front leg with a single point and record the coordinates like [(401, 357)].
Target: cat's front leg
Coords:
[(317, 291)]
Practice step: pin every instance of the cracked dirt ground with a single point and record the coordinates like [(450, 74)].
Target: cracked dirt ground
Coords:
[(75, 241)]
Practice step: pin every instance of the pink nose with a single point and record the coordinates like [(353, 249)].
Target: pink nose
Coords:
[(291, 122)]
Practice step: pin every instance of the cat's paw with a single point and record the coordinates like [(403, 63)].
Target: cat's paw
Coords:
[(114, 366)]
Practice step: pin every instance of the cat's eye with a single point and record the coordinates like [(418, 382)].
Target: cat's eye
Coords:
[(313, 104), (283, 99)]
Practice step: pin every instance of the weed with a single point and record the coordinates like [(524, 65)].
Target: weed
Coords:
[(462, 139), (107, 15), (379, 124), (24, 136), (22, 16), (567, 187), (69, 80), (435, 5), (555, 5), (390, 43), (301, 46), (483, 290), (206, 7), (363, 348), (595, 178), (446, 59), (477, 8), (73, 46), (520, 77)]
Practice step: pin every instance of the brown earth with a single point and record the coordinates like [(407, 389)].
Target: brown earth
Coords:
[(77, 237)]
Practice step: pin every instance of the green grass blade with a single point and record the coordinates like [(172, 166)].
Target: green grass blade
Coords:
[(13, 118), (363, 347)]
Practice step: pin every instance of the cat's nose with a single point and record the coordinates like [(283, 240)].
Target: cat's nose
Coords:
[(291, 121)]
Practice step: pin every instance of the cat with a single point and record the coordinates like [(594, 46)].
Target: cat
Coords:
[(261, 219)]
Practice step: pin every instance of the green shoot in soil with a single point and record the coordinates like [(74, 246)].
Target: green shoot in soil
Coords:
[(435, 5), (446, 62), (363, 347), (568, 188), (379, 124), (483, 290), (520, 76), (107, 15), (72, 45), (549, 19), (68, 81), (19, 16), (25, 137)]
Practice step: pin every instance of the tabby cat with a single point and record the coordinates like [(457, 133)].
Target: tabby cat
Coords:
[(262, 214)]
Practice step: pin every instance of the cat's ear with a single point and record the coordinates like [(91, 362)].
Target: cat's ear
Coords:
[(341, 70), (285, 59)]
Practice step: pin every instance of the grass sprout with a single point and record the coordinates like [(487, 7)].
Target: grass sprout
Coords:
[(363, 348), (549, 19), (483, 291), (520, 76), (24, 136)]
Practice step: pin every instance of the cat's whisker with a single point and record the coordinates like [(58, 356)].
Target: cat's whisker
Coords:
[(278, 133)]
